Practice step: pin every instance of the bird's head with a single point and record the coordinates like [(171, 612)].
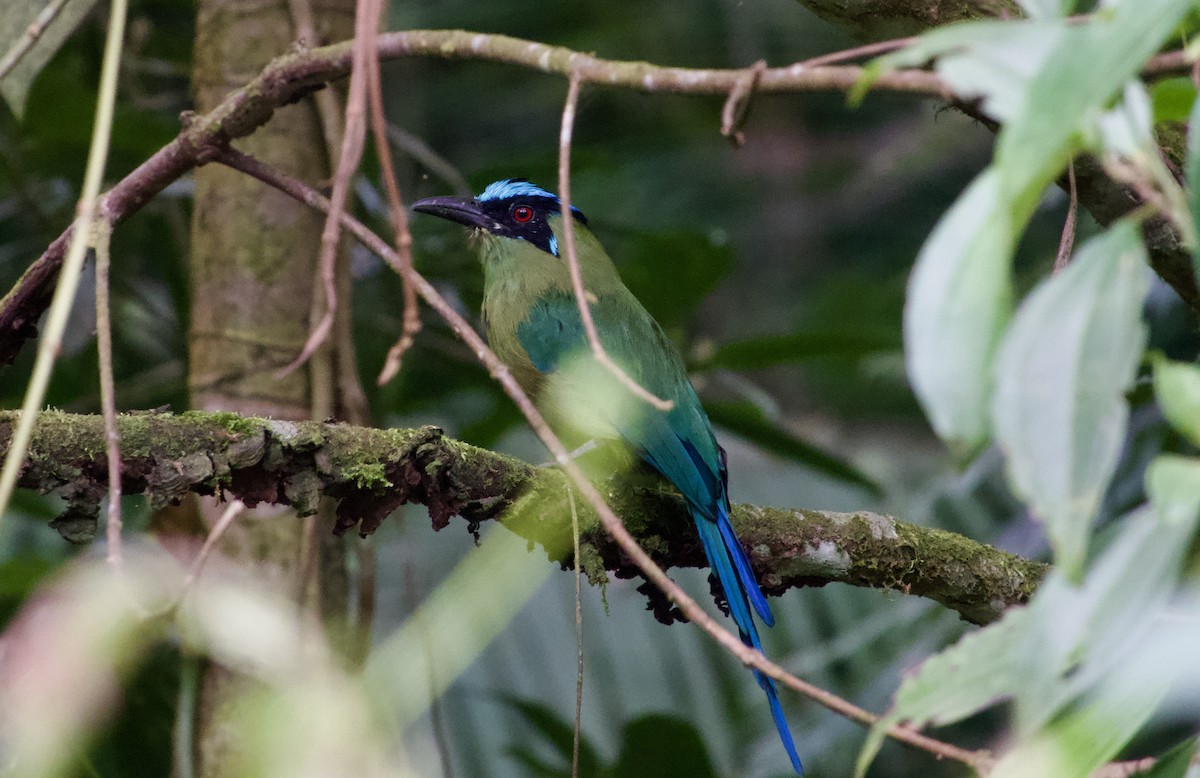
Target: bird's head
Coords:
[(509, 208)]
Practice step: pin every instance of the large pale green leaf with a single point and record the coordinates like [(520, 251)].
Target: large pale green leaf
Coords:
[(1085, 665), (958, 303), (978, 671), (1177, 387), (1083, 72), (16, 17), (1193, 179), (994, 61), (1044, 9), (1060, 411)]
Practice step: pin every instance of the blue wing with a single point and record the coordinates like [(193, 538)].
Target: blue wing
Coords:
[(679, 444)]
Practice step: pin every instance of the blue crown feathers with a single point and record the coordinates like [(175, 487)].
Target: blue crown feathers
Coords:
[(507, 188)]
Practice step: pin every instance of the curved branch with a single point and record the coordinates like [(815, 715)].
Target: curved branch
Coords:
[(290, 77), (372, 472)]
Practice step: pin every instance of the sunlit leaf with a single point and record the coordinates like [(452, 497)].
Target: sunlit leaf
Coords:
[(993, 61), (1177, 388), (1193, 180), (1174, 763), (1060, 411), (1173, 99), (1086, 68), (1074, 650), (978, 671), (959, 300), (749, 422)]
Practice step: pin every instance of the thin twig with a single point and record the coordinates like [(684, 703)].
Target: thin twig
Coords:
[(416, 147), (1066, 244), (108, 400), (231, 512), (568, 227), (366, 28), (68, 280), (1154, 198), (737, 105), (578, 635), (612, 524), (31, 35), (411, 317), (869, 50)]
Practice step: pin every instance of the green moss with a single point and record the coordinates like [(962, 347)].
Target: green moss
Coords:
[(367, 475)]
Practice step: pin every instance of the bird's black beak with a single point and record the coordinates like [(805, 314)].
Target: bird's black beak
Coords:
[(464, 210)]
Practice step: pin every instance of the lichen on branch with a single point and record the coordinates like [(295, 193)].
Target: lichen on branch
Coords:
[(371, 472)]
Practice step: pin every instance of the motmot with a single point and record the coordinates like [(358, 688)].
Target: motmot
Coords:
[(534, 326)]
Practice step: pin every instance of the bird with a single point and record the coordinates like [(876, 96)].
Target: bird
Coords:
[(534, 326)]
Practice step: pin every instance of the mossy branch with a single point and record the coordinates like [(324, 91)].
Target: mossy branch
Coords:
[(371, 472)]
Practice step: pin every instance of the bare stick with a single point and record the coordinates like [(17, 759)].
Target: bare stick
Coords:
[(1066, 244), (231, 512), (108, 400), (869, 50), (366, 24), (568, 222), (979, 761), (403, 238), (416, 147)]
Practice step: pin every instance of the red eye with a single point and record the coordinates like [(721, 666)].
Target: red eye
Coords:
[(522, 214)]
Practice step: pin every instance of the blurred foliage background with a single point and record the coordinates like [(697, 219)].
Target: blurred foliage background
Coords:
[(778, 268)]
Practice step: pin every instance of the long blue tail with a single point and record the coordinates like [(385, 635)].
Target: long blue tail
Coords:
[(728, 560)]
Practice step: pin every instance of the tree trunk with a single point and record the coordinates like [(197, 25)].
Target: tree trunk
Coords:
[(253, 266)]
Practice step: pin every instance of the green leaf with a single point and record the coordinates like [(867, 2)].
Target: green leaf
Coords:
[(1060, 411), (16, 16), (1046, 9), (1173, 99), (772, 350), (958, 303), (1174, 763), (971, 675), (1085, 70), (663, 747), (558, 733), (993, 61), (1193, 180), (1177, 388), (1079, 649), (749, 422)]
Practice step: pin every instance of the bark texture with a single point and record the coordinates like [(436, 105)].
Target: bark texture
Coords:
[(371, 472), (252, 270)]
